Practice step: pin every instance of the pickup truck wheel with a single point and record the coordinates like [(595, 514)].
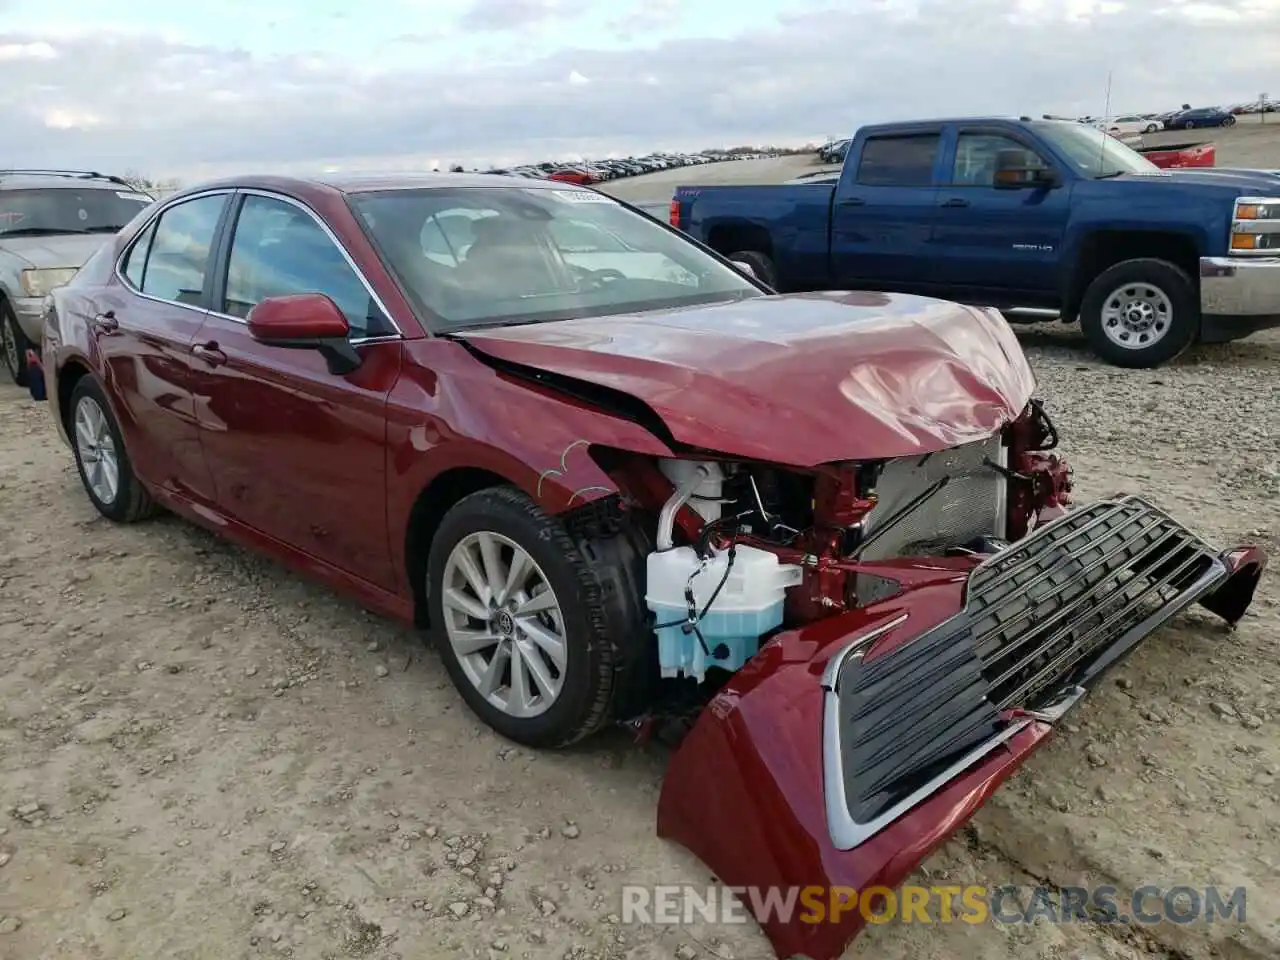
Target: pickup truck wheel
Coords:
[(1229, 122), (1140, 313), (1189, 125), (537, 624), (13, 345), (763, 266)]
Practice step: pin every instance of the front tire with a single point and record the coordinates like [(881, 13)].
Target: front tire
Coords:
[(13, 345), (101, 458), (1229, 122), (539, 626), (1140, 313)]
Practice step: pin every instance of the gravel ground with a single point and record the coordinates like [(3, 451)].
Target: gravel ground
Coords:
[(203, 756)]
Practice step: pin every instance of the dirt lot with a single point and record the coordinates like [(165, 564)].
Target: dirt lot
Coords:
[(202, 756)]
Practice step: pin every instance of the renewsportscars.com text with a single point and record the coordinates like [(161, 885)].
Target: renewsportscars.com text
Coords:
[(1010, 904)]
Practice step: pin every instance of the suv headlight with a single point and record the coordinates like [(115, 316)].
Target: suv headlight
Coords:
[(1255, 226), (38, 282)]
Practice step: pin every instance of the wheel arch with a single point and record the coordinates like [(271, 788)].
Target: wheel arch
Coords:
[(731, 236), (1103, 249), (69, 374), (435, 500)]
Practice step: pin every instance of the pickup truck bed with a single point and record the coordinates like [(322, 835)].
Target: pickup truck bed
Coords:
[(1018, 214)]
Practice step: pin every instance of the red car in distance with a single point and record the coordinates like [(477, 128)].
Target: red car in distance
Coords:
[(572, 175), (616, 479)]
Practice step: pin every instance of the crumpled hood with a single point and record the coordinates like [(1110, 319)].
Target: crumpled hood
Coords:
[(801, 379), (59, 250)]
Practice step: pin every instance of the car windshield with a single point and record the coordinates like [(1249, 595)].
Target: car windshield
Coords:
[(480, 256), (53, 210), (1092, 152)]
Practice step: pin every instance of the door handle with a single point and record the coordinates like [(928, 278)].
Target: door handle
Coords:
[(106, 322), (209, 353), (853, 202), (956, 202)]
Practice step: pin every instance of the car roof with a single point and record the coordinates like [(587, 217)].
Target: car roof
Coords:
[(16, 179), (365, 183), (309, 187)]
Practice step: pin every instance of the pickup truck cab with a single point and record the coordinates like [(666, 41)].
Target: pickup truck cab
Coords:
[(1018, 213)]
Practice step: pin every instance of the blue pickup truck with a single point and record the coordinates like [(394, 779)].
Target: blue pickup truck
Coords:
[(1016, 214)]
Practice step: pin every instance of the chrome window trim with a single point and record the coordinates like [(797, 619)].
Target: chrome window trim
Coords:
[(156, 214), (269, 195)]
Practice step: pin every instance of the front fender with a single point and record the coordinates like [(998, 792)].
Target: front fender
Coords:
[(448, 412)]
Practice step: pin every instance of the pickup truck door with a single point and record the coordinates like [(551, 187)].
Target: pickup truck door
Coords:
[(997, 243), (883, 209)]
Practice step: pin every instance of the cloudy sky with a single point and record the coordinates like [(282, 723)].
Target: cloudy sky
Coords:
[(213, 86)]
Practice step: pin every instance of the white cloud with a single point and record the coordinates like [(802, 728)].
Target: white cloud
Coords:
[(166, 106), (35, 50), (576, 78), (70, 119)]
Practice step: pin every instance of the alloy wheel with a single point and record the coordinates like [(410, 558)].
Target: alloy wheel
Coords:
[(96, 448), (504, 624)]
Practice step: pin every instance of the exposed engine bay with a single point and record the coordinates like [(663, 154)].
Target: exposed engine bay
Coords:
[(744, 549)]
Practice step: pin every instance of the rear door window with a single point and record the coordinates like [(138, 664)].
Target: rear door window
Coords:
[(177, 263), (899, 161)]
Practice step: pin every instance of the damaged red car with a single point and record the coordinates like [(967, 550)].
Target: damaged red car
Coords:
[(825, 537)]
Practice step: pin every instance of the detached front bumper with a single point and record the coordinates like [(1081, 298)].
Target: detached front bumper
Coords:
[(1238, 296), (847, 750)]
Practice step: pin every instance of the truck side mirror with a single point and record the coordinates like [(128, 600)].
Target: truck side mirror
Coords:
[(1013, 172)]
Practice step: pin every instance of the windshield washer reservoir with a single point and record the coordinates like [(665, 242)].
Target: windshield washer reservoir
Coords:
[(748, 606)]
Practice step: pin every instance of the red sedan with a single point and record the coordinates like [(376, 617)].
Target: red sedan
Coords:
[(617, 479), (572, 175)]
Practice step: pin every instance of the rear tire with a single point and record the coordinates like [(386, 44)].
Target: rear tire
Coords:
[(1140, 313), (13, 345), (583, 588), (101, 458), (762, 264)]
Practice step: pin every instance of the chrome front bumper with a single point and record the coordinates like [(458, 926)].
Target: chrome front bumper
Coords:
[(30, 314)]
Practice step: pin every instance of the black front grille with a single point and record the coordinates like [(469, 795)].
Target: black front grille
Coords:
[(1038, 619), (1041, 609)]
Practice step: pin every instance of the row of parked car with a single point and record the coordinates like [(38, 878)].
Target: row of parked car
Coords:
[(598, 171), (1185, 117)]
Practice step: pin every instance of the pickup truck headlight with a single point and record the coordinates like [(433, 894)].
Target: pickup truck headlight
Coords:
[(1255, 226), (38, 282)]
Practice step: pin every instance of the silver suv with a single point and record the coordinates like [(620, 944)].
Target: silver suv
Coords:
[(51, 222)]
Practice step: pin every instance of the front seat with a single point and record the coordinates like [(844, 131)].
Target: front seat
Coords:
[(509, 256)]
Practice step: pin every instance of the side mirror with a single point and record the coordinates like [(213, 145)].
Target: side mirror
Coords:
[(306, 321), (745, 268), (1014, 173)]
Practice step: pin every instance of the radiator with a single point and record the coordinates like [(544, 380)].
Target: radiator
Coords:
[(972, 504)]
